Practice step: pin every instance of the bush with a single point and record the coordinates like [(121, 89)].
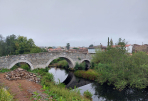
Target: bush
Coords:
[(47, 77), (25, 66), (121, 69), (88, 94), (14, 67), (63, 64), (80, 66)]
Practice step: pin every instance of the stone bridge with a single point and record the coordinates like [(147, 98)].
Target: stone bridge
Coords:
[(42, 60)]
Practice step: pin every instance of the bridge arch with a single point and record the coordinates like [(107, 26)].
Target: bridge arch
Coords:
[(87, 61), (68, 59), (18, 61)]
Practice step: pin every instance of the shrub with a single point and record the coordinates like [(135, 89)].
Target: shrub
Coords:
[(25, 66), (76, 66), (80, 66), (87, 94), (14, 67), (48, 77), (63, 64), (121, 69)]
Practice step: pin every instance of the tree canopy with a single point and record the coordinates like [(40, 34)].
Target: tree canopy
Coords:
[(13, 45), (68, 46), (91, 45)]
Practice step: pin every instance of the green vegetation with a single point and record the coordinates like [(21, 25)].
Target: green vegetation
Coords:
[(91, 45), (89, 74), (88, 94), (23, 66), (60, 62), (14, 45), (80, 66), (57, 91), (75, 48), (68, 46), (36, 96), (117, 67), (3, 70), (5, 95), (63, 64)]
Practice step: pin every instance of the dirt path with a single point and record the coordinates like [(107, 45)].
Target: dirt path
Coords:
[(21, 89)]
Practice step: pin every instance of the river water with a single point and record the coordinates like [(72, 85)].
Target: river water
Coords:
[(100, 92)]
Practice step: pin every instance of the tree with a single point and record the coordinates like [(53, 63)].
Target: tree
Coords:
[(121, 45), (10, 44), (68, 46), (24, 46), (108, 42), (35, 50), (2, 46), (91, 45), (111, 42), (49, 47)]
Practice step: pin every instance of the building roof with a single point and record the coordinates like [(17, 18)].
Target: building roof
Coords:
[(120, 45)]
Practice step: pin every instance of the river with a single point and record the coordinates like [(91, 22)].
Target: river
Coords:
[(100, 92)]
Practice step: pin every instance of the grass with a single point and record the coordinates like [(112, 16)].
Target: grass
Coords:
[(3, 70), (57, 90), (5, 95), (88, 94), (89, 74)]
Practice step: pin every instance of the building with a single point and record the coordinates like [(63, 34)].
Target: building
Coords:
[(83, 50), (96, 48), (128, 47), (137, 48)]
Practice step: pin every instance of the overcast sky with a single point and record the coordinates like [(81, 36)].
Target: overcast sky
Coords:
[(78, 22)]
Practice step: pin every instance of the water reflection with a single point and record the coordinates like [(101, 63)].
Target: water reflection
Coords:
[(58, 73), (127, 94)]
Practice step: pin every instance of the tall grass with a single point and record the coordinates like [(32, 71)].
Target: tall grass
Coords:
[(89, 74), (5, 95)]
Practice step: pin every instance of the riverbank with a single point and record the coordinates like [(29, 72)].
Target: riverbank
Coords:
[(58, 92), (89, 74)]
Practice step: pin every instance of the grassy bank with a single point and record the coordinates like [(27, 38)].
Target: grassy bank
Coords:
[(5, 94), (56, 91), (89, 74)]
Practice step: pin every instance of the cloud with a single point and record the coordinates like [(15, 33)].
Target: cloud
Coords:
[(81, 23)]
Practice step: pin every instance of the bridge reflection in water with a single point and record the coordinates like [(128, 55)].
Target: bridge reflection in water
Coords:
[(72, 81), (67, 77)]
